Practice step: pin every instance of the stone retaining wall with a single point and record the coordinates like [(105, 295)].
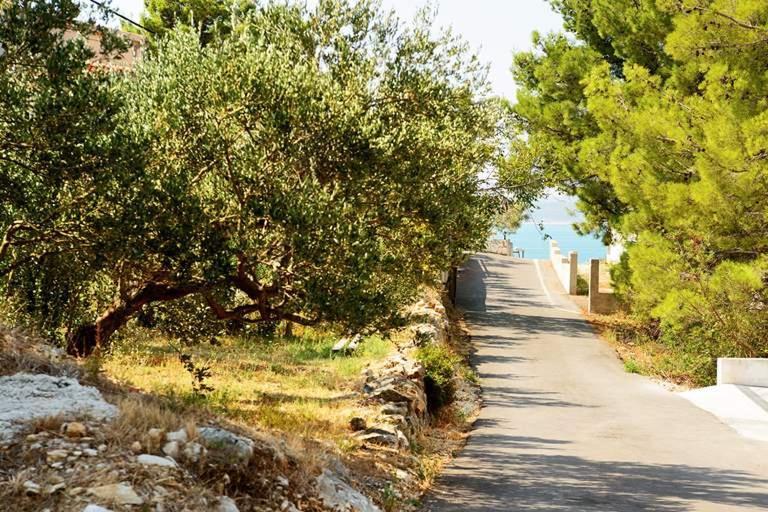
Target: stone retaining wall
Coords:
[(397, 383), (503, 247)]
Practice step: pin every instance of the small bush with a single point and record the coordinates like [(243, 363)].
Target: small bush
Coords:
[(582, 285), (631, 366), (440, 365)]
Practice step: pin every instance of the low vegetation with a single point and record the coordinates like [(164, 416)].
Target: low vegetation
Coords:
[(294, 385), (441, 365), (644, 351), (291, 393)]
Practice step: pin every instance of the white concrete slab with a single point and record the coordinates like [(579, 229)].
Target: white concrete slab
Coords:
[(743, 408), (743, 371)]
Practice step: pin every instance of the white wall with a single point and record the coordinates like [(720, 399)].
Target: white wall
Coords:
[(742, 371), (566, 268)]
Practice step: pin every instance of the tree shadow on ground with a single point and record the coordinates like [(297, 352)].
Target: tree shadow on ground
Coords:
[(508, 478), (501, 471), (499, 480)]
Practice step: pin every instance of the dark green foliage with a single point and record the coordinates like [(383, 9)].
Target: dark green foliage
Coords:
[(441, 366), (62, 150), (656, 119), (199, 374), (207, 17), (582, 285), (300, 167)]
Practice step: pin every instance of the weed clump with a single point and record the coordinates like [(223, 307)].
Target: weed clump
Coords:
[(440, 367)]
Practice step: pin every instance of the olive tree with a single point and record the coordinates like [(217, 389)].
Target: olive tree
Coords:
[(62, 155), (309, 166)]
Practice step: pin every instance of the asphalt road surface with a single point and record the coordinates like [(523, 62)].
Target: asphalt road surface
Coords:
[(564, 427)]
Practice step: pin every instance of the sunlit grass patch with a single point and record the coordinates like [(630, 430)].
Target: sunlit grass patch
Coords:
[(295, 385)]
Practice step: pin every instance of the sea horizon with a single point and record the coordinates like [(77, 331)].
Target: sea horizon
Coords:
[(535, 241)]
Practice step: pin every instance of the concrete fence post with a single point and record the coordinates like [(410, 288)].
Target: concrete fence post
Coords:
[(554, 249), (573, 272), (594, 284)]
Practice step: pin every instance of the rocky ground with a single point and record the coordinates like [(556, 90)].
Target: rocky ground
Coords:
[(66, 445)]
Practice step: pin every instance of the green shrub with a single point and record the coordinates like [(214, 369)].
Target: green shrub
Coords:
[(441, 366), (582, 285)]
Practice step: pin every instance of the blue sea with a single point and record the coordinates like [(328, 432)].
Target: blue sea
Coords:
[(533, 240)]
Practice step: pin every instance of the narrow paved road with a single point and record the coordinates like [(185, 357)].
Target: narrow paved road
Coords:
[(564, 427)]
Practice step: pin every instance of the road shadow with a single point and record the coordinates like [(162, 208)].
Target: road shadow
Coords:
[(501, 470), (527, 325), (472, 286), (518, 398), (507, 478)]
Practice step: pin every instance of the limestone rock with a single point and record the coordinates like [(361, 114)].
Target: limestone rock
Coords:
[(119, 494), (403, 391), (27, 397), (53, 489), (394, 367), (399, 420), (403, 475), (377, 438), (413, 370), (180, 436), (338, 496), (56, 455), (193, 451), (402, 440), (226, 504), (384, 435), (395, 409), (227, 443), (31, 488), (172, 449), (433, 314), (154, 460), (425, 334), (95, 508)]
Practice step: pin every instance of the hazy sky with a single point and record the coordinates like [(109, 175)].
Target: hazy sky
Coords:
[(497, 28)]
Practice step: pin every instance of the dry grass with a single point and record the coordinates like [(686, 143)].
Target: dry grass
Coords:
[(289, 385), (140, 414), (644, 355), (48, 424), (22, 352)]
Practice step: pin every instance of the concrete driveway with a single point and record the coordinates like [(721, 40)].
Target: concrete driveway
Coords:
[(564, 427)]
